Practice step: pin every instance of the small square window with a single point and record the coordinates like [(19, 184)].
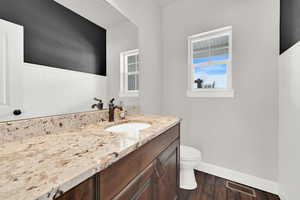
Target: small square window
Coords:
[(210, 56), (129, 68)]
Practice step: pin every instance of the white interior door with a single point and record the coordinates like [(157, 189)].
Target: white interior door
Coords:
[(11, 65)]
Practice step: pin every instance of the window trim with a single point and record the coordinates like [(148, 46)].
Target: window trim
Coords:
[(196, 92), (124, 92)]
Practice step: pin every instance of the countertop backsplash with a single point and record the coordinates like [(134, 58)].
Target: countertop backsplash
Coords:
[(23, 129)]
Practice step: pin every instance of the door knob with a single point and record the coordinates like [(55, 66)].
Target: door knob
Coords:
[(17, 112)]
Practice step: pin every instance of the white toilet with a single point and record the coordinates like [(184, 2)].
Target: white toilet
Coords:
[(190, 158)]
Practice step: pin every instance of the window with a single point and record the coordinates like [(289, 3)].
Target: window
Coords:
[(210, 56), (129, 74)]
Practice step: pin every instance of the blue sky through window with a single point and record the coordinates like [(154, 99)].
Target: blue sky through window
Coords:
[(211, 69), (212, 73), (216, 58)]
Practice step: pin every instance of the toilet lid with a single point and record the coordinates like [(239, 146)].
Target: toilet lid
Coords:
[(189, 153)]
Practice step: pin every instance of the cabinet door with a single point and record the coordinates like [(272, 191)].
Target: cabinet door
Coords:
[(116, 177), (147, 193), (11, 65), (167, 173), (141, 187), (84, 191)]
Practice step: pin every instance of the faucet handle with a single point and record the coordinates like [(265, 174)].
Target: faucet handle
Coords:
[(96, 99), (112, 100)]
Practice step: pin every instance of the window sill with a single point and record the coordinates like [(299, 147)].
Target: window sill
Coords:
[(211, 93), (129, 95)]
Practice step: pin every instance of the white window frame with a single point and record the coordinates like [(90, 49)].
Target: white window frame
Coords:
[(210, 92), (124, 92)]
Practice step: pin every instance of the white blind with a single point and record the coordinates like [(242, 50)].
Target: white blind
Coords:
[(213, 47)]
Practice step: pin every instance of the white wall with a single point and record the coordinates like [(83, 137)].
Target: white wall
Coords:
[(146, 15), (241, 133), (50, 91), (97, 11), (289, 126), (121, 37)]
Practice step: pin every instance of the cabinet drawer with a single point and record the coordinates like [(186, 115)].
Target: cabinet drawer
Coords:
[(115, 178), (142, 187)]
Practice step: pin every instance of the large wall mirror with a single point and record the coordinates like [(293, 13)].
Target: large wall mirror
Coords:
[(57, 56)]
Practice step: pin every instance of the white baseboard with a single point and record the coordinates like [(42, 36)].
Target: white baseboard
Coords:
[(246, 179)]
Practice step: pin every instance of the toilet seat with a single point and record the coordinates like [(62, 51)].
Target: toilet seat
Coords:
[(189, 153)]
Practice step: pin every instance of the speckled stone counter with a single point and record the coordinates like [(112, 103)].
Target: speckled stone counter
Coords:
[(23, 129), (35, 168)]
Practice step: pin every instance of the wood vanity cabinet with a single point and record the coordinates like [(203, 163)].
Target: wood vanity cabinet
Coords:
[(84, 191), (149, 173), (141, 187), (168, 173), (158, 181)]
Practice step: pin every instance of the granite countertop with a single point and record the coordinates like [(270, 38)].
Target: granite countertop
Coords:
[(36, 168)]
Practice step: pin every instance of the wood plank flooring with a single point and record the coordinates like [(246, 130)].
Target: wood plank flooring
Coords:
[(214, 188)]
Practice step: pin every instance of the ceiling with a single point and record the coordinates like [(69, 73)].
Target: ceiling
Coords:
[(98, 11)]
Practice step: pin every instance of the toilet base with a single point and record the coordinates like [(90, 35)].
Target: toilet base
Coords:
[(187, 179)]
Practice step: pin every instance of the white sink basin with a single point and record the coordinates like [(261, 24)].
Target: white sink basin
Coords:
[(130, 127)]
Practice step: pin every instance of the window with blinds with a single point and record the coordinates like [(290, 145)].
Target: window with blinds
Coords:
[(133, 72), (129, 73), (210, 61)]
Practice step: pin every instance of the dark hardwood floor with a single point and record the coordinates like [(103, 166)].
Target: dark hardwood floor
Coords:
[(214, 188)]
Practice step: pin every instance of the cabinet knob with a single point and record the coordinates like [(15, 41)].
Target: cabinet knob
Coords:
[(17, 112)]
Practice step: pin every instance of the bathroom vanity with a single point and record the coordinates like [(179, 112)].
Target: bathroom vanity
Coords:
[(91, 163), (150, 172)]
